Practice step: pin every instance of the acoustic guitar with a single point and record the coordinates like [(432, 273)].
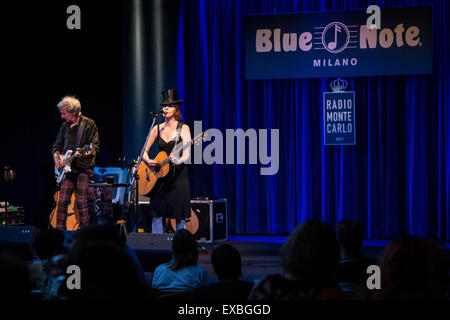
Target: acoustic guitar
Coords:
[(73, 217), (191, 223), (149, 176)]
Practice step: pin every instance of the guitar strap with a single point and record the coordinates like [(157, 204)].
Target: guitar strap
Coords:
[(179, 125), (78, 138), (80, 132)]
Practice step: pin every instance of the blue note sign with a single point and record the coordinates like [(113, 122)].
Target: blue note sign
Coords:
[(339, 44), (339, 118)]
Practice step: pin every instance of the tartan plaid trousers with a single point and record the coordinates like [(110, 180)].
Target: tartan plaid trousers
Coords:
[(78, 183)]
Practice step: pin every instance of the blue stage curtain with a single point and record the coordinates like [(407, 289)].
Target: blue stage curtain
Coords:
[(395, 180)]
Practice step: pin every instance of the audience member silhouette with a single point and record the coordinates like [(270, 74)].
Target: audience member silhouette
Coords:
[(352, 270), (107, 272), (227, 264), (108, 233), (309, 258), (45, 245), (412, 268), (15, 284), (56, 274), (182, 273), (48, 243)]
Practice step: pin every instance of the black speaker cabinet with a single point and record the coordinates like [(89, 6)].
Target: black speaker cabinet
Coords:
[(212, 219), (150, 241), (17, 240), (151, 249)]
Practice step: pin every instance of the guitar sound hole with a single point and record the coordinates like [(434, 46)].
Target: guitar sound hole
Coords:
[(157, 167)]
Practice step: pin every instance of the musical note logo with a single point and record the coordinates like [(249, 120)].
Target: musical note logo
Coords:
[(332, 45), (340, 38)]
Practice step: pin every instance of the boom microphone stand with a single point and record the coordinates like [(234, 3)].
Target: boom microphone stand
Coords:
[(8, 175)]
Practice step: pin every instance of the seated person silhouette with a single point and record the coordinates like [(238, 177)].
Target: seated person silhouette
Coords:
[(182, 273), (110, 232), (15, 284), (46, 245), (413, 269), (227, 265), (352, 270), (107, 272), (309, 258)]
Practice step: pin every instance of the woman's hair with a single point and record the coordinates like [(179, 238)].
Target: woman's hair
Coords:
[(71, 103), (184, 250), (412, 268), (311, 253), (227, 262), (177, 113), (107, 271), (48, 242), (350, 234)]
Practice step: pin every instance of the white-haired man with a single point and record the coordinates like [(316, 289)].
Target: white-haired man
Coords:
[(77, 130)]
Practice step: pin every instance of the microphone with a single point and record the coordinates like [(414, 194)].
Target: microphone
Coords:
[(156, 113)]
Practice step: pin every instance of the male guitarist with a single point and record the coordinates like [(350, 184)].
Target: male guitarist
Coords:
[(77, 130)]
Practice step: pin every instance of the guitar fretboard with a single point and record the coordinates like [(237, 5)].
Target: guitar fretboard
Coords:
[(179, 147)]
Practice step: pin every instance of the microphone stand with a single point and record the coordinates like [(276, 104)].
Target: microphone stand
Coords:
[(5, 214), (124, 163), (8, 175), (135, 177)]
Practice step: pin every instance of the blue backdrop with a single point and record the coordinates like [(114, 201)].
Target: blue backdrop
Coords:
[(395, 180)]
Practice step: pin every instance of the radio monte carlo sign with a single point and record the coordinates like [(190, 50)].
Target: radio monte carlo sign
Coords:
[(331, 44)]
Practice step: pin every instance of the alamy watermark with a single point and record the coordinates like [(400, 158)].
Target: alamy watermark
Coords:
[(235, 145), (73, 277), (74, 20), (374, 21), (374, 280)]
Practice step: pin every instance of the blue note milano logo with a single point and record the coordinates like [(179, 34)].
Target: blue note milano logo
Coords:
[(335, 37)]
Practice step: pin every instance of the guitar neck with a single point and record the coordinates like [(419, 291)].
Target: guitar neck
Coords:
[(177, 150), (68, 160), (184, 146)]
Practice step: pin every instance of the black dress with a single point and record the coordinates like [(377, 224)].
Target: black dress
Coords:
[(173, 200)]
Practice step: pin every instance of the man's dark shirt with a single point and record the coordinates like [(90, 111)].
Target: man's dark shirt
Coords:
[(67, 137)]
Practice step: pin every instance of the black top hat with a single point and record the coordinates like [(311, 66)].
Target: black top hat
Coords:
[(171, 97)]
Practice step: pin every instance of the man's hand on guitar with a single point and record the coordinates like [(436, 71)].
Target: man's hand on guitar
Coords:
[(77, 153), (57, 161), (80, 153)]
